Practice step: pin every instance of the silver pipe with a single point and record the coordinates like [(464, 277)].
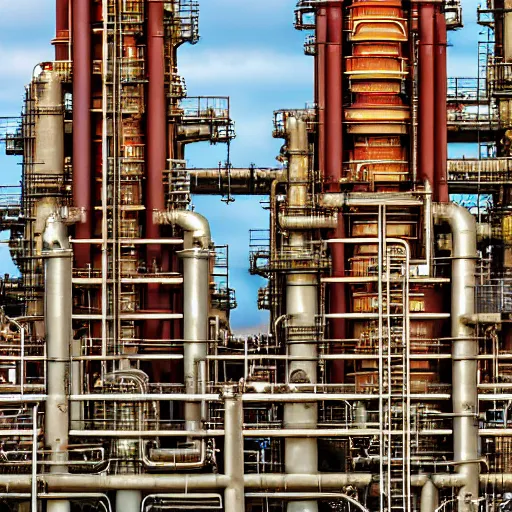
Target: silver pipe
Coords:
[(341, 199), (246, 397), (186, 482), (308, 222), (301, 454), (195, 324), (429, 227), (234, 450), (76, 408), (464, 347), (58, 312), (196, 227), (33, 490), (124, 482), (311, 482), (128, 501), (429, 497), (165, 454), (196, 302)]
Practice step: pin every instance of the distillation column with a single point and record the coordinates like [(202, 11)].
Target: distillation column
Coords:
[(301, 455), (58, 257)]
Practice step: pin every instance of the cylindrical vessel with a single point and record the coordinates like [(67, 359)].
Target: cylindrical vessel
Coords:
[(82, 145), (195, 325), (234, 451)]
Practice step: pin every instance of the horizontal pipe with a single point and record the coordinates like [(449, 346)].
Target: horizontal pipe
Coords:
[(374, 316), (133, 316), (341, 199), (300, 482), (130, 241), (287, 433), (233, 181), (247, 397), (303, 222)]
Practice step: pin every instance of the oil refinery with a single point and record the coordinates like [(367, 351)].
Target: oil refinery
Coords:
[(383, 381)]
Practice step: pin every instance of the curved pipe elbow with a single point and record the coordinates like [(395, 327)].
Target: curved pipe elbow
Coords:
[(55, 234), (195, 224), (462, 225)]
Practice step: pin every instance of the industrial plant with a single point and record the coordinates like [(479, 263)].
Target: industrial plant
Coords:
[(383, 382)]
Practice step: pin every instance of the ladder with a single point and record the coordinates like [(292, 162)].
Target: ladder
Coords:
[(179, 185), (394, 372)]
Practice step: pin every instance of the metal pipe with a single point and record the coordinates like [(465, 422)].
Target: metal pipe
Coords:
[(429, 497), (341, 199), (507, 31), (305, 222), (156, 117), (195, 324), (247, 397), (58, 271), (128, 501), (243, 181), (196, 300), (301, 454), (426, 93), (464, 346), (429, 227), (234, 450), (440, 115), (333, 160), (33, 489), (82, 144), (196, 227), (61, 41)]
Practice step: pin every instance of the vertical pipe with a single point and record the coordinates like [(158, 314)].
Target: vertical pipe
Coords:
[(33, 487), (61, 41), (301, 454), (429, 497), (464, 350), (82, 144), (334, 96), (441, 133), (507, 31), (75, 409), (334, 163), (58, 311), (156, 119), (426, 70), (128, 501), (233, 450), (195, 325), (320, 56), (158, 299)]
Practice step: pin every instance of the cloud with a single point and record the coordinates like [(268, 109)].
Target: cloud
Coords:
[(226, 65)]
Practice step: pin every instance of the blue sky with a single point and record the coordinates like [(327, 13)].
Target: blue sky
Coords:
[(248, 51)]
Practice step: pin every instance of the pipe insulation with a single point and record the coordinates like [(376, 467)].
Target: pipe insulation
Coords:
[(58, 271), (464, 348)]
